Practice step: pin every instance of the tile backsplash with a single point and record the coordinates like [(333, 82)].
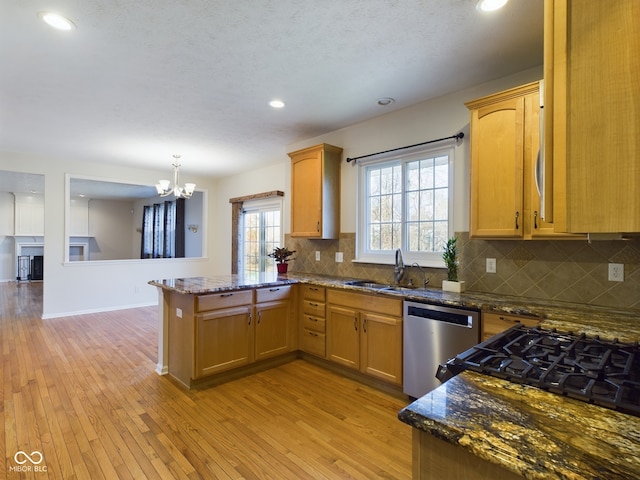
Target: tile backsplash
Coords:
[(562, 270)]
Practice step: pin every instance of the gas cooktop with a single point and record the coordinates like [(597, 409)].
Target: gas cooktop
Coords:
[(606, 373)]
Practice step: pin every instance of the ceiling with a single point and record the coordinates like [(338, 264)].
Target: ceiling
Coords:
[(139, 81)]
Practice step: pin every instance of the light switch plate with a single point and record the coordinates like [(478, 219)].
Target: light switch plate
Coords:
[(317, 255), (339, 257)]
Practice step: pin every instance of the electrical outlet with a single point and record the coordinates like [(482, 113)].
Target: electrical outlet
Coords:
[(179, 312), (339, 257), (317, 255), (616, 272), (491, 265)]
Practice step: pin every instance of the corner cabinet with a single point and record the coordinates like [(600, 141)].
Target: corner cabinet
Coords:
[(364, 332), (592, 90), (505, 145), (315, 192)]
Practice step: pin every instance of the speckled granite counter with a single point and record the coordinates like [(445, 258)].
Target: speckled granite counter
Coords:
[(220, 283), (529, 431)]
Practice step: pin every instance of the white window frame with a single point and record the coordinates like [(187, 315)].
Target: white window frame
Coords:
[(262, 205), (424, 259)]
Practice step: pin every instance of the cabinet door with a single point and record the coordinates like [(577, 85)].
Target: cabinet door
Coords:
[(497, 155), (306, 195), (381, 347), (595, 64), (343, 336), (224, 339), (494, 323), (272, 329)]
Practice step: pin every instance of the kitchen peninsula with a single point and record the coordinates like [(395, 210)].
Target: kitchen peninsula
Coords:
[(494, 428)]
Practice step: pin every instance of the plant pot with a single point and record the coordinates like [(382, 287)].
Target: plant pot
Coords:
[(282, 267), (449, 286)]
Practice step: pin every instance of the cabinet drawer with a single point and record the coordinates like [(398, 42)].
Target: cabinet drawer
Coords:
[(273, 294), (313, 308), (313, 342), (314, 323), (223, 300), (371, 303), (494, 323), (312, 292)]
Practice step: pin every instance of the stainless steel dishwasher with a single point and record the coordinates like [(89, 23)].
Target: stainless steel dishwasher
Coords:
[(434, 334)]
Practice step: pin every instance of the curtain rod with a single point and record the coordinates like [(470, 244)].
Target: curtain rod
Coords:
[(457, 136)]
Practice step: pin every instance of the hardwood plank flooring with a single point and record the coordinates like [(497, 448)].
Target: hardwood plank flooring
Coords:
[(82, 391)]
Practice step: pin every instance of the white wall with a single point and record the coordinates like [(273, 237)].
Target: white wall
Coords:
[(79, 287)]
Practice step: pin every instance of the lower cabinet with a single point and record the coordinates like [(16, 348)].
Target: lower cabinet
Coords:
[(361, 339), (494, 323), (214, 333), (313, 324)]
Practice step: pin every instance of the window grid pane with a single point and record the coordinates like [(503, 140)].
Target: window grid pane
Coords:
[(384, 207), (260, 236)]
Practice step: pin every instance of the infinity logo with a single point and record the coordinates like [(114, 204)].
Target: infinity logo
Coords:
[(30, 458)]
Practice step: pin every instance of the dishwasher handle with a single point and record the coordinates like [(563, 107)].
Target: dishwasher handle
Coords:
[(461, 319)]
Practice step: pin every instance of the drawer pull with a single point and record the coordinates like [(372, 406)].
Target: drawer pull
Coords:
[(274, 289), (311, 319), (313, 334), (314, 289), (227, 295), (313, 304)]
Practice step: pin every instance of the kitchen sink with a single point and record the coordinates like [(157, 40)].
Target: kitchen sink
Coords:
[(366, 284)]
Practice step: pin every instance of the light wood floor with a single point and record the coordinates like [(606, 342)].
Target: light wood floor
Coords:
[(82, 391)]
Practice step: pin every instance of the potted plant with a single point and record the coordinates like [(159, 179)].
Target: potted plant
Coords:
[(282, 256), (450, 257)]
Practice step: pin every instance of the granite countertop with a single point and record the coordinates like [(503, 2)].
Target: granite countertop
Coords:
[(531, 432), (608, 323)]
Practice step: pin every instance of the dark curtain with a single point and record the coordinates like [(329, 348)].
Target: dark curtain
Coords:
[(163, 230)]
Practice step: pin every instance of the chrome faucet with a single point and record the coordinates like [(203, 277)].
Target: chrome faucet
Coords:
[(398, 270), (425, 280)]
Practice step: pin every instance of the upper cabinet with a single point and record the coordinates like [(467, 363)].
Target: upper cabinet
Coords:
[(315, 192), (505, 146), (29, 215), (592, 116)]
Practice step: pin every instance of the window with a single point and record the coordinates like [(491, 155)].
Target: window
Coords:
[(261, 233), (406, 203)]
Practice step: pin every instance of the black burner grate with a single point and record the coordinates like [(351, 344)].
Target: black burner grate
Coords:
[(603, 372)]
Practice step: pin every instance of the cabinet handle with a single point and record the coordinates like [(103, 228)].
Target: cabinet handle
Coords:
[(313, 334), (259, 316), (311, 319), (227, 295), (313, 304), (517, 216), (355, 323), (250, 317), (535, 219), (314, 289), (508, 320), (364, 326), (318, 227), (274, 289)]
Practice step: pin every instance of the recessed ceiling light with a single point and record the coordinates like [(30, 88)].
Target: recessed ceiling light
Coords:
[(490, 5), (276, 103), (57, 21), (384, 101)]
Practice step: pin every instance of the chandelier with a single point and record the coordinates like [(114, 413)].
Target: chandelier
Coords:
[(164, 187)]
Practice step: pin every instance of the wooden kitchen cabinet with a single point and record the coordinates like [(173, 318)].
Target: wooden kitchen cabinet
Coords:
[(218, 332), (364, 332), (494, 323), (272, 320), (315, 192), (313, 323), (505, 141), (224, 335), (592, 93)]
